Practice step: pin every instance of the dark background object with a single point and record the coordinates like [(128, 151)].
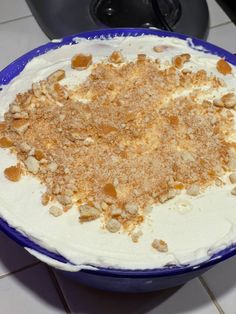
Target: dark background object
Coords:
[(59, 18), (149, 13), (229, 6), (167, 13)]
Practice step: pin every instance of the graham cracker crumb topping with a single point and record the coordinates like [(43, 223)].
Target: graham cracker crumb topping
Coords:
[(81, 61), (160, 245), (223, 67), (130, 136), (13, 173)]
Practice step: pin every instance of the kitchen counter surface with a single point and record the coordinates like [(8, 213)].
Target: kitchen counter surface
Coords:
[(28, 286)]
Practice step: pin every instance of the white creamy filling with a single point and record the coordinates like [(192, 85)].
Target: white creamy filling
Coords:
[(193, 227)]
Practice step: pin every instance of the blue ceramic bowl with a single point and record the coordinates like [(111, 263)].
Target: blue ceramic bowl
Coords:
[(117, 279)]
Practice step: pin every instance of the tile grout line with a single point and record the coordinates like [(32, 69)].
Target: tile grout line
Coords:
[(221, 24), (19, 270), (16, 19), (59, 290), (211, 295)]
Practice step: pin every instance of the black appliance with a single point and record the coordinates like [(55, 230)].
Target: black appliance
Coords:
[(59, 18), (229, 6)]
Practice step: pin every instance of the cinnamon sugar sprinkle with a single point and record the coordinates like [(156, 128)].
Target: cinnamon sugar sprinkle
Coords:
[(122, 140)]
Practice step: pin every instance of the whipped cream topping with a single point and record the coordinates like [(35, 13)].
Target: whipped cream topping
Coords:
[(193, 227)]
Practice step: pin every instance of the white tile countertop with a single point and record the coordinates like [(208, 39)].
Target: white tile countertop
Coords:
[(28, 286)]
